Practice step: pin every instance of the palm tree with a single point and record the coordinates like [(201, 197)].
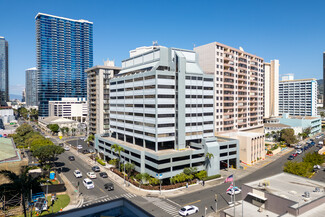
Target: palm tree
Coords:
[(118, 149), (208, 157), (22, 183)]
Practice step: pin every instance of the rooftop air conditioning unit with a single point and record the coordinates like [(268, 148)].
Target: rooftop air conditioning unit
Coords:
[(307, 194)]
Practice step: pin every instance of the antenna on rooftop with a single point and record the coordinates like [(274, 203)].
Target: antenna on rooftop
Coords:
[(154, 43)]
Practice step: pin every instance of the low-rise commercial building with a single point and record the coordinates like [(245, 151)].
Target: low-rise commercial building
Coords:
[(61, 122), (252, 146), (71, 108), (283, 194), (161, 113)]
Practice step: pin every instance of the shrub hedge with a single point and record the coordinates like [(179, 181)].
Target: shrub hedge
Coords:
[(211, 177)]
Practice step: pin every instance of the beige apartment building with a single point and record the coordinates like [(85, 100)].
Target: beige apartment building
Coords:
[(238, 96), (98, 78), (271, 89), (239, 86)]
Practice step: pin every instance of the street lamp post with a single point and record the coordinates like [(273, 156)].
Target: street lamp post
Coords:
[(124, 169)]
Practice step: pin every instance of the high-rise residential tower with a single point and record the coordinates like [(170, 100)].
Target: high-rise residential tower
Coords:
[(98, 96), (271, 89), (298, 97), (4, 68), (31, 87), (324, 80), (239, 86), (64, 52)]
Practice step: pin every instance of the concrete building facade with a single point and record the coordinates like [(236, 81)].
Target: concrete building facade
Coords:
[(298, 97), (238, 83), (98, 78), (31, 87), (161, 113), (271, 89), (71, 108)]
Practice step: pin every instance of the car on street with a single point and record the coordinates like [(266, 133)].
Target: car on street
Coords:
[(77, 174), (295, 154), (88, 183), (91, 150), (299, 151), (71, 158), (91, 175), (109, 186), (82, 138), (298, 147), (188, 210), (79, 146), (85, 151), (61, 144), (67, 148), (291, 157), (96, 168), (103, 175), (234, 190)]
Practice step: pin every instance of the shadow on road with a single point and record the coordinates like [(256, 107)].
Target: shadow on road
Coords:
[(65, 169)]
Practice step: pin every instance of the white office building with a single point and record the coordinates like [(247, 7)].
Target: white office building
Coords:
[(298, 97), (271, 89), (161, 113), (71, 108)]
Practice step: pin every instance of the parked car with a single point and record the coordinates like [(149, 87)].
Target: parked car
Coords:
[(61, 144), (96, 168), (234, 190), (79, 146), (291, 157), (77, 174), (103, 174), (67, 148), (295, 154), (88, 183), (91, 175), (91, 150), (85, 151), (188, 210), (298, 147), (71, 158), (299, 151), (109, 186)]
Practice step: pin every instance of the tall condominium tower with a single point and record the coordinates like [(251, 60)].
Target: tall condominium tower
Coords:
[(298, 97), (4, 68), (271, 89), (239, 86), (324, 79), (98, 78), (31, 87), (64, 52), (161, 113)]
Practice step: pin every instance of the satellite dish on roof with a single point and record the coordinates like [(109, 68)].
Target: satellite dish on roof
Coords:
[(242, 49)]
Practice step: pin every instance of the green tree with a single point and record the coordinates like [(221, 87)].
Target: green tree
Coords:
[(202, 174), (37, 143), (313, 159), (53, 127), (22, 183), (298, 168), (153, 181), (322, 114), (129, 167), (208, 157), (73, 130), (23, 112), (47, 153), (33, 113), (190, 170), (144, 177), (306, 132), (23, 130), (91, 139), (118, 149), (288, 135)]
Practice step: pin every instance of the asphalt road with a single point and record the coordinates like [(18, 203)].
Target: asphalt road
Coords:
[(205, 198)]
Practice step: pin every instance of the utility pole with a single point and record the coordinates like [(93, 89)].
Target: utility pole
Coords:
[(216, 200)]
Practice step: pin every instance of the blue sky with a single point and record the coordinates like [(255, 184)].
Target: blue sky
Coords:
[(291, 31)]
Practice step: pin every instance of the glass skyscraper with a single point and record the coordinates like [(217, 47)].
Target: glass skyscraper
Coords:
[(31, 87), (64, 50), (4, 68)]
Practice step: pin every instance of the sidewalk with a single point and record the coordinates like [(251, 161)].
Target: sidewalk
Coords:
[(76, 199)]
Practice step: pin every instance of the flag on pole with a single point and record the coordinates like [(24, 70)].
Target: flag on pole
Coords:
[(229, 179), (230, 187)]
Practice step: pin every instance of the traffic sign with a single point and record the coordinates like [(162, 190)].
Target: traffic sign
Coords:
[(60, 137), (159, 176)]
